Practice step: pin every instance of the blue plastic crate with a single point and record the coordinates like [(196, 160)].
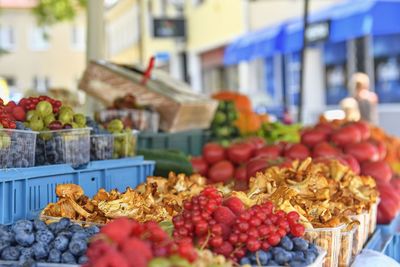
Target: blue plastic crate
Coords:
[(25, 192), (388, 244), (392, 247), (392, 228)]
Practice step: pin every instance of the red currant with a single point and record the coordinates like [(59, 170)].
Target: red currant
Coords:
[(274, 239), (216, 241), (297, 230), (253, 245), (293, 216)]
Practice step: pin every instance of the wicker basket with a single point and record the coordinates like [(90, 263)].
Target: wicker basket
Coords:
[(179, 107)]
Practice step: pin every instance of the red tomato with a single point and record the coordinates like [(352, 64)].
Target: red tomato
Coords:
[(221, 171), (272, 151), (324, 149), (239, 153), (199, 165), (346, 135), (313, 137), (297, 151), (257, 142), (257, 164), (363, 151), (325, 127), (363, 127), (380, 170), (351, 162), (213, 153), (240, 173)]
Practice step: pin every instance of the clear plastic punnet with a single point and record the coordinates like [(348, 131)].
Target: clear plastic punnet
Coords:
[(101, 146), (328, 239), (17, 148), (142, 120), (70, 146), (125, 144), (346, 245)]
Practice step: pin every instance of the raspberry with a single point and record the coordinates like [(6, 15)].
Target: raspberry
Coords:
[(224, 215), (235, 205), (135, 244), (118, 230), (114, 259)]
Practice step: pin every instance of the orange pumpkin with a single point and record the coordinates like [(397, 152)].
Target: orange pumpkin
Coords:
[(248, 122), (242, 102)]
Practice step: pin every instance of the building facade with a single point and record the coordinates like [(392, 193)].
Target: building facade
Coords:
[(39, 58)]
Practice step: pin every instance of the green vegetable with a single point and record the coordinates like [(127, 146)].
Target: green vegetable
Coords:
[(167, 161)]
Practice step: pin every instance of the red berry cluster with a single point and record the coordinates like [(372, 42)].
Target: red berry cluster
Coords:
[(31, 102), (260, 227), (227, 228), (9, 113), (125, 242)]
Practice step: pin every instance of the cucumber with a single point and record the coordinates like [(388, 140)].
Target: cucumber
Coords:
[(167, 161)]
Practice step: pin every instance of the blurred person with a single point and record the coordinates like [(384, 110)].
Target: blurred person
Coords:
[(363, 103)]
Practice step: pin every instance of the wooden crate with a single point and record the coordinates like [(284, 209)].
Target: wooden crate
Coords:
[(179, 107)]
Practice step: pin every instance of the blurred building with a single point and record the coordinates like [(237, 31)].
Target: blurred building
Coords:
[(36, 57)]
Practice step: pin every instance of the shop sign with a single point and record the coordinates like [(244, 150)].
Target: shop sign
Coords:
[(169, 28), (318, 31)]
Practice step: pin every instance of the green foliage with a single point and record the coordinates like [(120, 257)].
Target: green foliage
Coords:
[(49, 12)]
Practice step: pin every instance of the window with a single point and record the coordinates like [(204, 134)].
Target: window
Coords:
[(197, 2), (39, 39), (41, 83), (7, 37), (78, 38)]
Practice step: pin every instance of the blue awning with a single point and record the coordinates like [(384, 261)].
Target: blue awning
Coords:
[(257, 44), (349, 20)]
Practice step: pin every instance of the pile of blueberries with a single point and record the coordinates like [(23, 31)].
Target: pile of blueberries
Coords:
[(29, 242), (291, 251), (101, 141), (59, 148), (16, 148)]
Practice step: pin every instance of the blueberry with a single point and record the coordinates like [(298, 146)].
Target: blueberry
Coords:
[(10, 254), (67, 257), (80, 235), (40, 250), (75, 228), (282, 257), (23, 225), (263, 256), (286, 243), (300, 244), (77, 247), (61, 243), (297, 255), (92, 230), (44, 236), (245, 260), (24, 238), (297, 263), (6, 236), (309, 256), (3, 245), (62, 224), (27, 252), (54, 256), (25, 260), (39, 225), (272, 263), (83, 259), (67, 233), (313, 248), (53, 227)]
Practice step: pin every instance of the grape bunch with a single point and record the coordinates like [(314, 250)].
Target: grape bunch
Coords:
[(124, 139), (33, 241), (101, 141), (125, 242), (227, 228), (291, 251)]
